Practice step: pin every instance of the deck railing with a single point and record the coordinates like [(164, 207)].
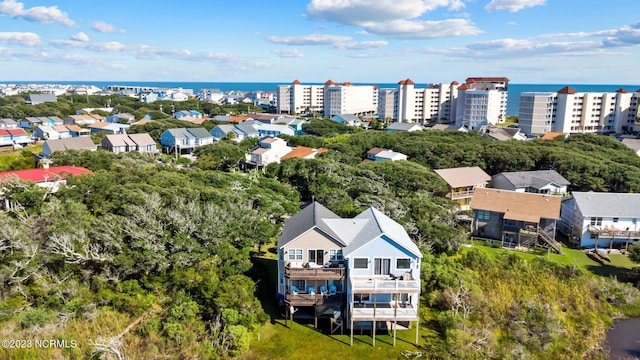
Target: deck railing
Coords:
[(315, 273), (381, 285)]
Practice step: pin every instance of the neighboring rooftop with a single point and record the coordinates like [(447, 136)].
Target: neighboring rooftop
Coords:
[(517, 206), (602, 204), (464, 176), (536, 179), (42, 175)]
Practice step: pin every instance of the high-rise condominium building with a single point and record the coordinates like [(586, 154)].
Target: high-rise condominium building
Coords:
[(481, 101), (408, 103), (349, 99), (331, 98), (299, 99), (569, 111)]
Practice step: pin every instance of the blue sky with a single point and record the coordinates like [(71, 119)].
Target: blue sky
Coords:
[(376, 41)]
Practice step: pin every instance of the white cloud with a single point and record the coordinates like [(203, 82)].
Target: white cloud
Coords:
[(513, 5), (366, 12), (361, 45), (39, 14), (23, 38), (394, 18), (103, 27), (312, 39), (288, 53), (82, 37), (336, 41), (425, 29)]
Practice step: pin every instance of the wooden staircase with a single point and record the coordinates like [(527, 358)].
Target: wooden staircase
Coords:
[(548, 241)]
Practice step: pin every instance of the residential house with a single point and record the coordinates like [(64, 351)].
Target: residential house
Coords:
[(49, 177), (501, 133), (303, 152), (73, 143), (360, 272), (448, 127), (148, 97), (275, 130), (144, 143), (187, 115), (8, 124), (599, 219), (63, 131), (35, 99), (44, 132), (347, 119), (269, 150), (118, 143), (633, 144), (103, 127), (389, 155), (13, 137), (516, 218), (551, 135), (202, 136), (398, 126), (123, 118), (224, 131), (184, 139), (266, 118), (77, 131), (462, 182), (540, 182), (29, 122), (84, 119)]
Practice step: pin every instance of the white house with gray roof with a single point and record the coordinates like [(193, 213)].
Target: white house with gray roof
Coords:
[(539, 182), (360, 272), (599, 219), (398, 126)]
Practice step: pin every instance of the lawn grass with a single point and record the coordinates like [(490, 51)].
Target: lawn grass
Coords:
[(620, 266), (283, 340), (300, 340)]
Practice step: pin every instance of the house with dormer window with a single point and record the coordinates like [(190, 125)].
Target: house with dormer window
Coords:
[(362, 272)]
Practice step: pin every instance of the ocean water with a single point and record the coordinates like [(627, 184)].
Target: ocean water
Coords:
[(513, 101)]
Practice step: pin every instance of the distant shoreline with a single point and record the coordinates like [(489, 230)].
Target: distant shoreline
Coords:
[(513, 101)]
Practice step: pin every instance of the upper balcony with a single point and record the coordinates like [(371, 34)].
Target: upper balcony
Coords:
[(610, 232), (307, 271), (384, 286)]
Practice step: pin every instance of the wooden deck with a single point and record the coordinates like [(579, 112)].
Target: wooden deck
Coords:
[(320, 273), (313, 299)]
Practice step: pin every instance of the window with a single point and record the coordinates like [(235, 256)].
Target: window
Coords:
[(281, 254), (360, 263), (592, 236), (299, 284), (381, 266), (362, 297), (483, 215), (316, 256), (596, 221), (281, 278), (403, 264), (615, 220), (335, 254), (295, 254)]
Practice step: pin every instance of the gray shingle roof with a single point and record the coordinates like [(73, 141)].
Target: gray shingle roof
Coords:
[(602, 204), (200, 133), (350, 233), (308, 218), (535, 179), (380, 224)]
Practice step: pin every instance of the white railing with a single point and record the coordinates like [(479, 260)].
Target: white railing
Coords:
[(378, 285)]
